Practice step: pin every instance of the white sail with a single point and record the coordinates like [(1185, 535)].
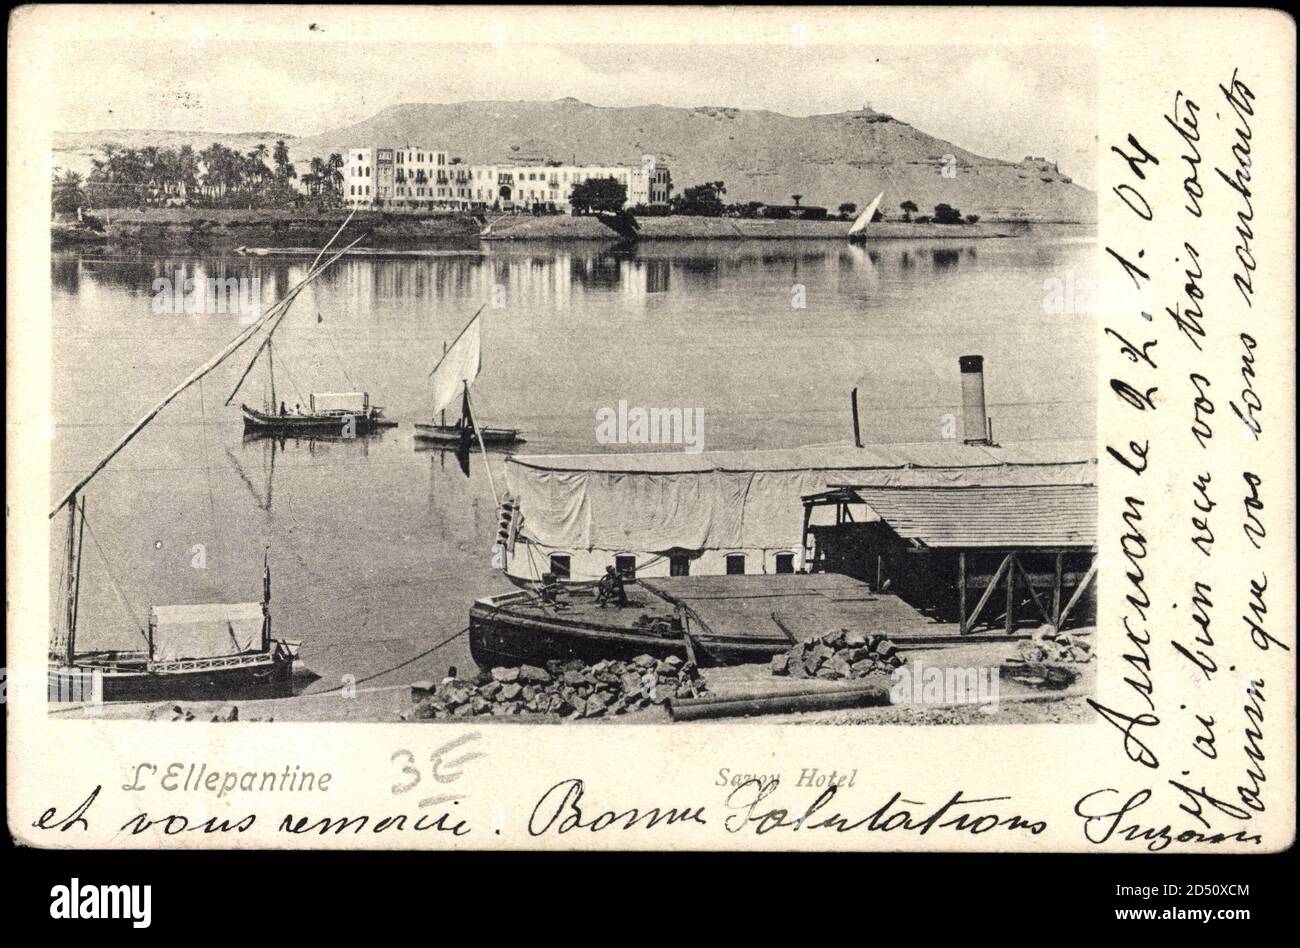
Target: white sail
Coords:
[(865, 217), (457, 368)]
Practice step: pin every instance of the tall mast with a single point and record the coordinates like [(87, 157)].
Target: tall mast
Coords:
[(442, 419), (277, 310), (312, 273), (76, 588), (270, 368)]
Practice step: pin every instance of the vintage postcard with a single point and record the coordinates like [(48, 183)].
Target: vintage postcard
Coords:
[(651, 428)]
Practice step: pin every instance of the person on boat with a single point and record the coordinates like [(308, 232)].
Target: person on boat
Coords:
[(611, 589), (283, 412), (550, 590)]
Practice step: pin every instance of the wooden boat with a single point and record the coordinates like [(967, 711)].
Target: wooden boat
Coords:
[(713, 620), (203, 652), (346, 414), (364, 419), (450, 435), (452, 377), (858, 230), (195, 651)]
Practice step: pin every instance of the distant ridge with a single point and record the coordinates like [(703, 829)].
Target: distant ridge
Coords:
[(760, 155)]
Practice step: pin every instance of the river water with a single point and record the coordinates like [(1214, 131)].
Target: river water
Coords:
[(377, 548)]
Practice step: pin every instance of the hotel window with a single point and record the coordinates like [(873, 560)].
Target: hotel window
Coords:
[(785, 562), (679, 564), (625, 566), (560, 565), (735, 564)]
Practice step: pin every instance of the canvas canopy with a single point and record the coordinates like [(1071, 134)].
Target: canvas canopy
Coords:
[(654, 502), (205, 630), (353, 402)]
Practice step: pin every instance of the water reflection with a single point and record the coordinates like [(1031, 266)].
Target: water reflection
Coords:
[(545, 275)]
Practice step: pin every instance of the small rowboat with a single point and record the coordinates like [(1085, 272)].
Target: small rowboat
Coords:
[(450, 435)]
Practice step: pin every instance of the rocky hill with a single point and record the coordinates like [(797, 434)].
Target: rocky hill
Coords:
[(760, 155)]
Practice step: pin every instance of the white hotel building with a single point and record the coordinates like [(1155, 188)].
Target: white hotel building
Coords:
[(414, 177)]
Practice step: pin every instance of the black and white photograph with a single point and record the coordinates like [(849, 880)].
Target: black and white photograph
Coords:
[(464, 427), (577, 399)]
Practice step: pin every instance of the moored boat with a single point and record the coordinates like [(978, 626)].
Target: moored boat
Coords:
[(347, 413), (450, 435), (194, 651), (451, 378), (205, 651), (712, 620)]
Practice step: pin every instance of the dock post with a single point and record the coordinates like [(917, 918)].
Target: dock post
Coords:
[(1011, 589), (961, 592), (1056, 593)]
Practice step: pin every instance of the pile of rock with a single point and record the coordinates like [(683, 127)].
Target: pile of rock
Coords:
[(568, 690), (838, 655), (1054, 648)]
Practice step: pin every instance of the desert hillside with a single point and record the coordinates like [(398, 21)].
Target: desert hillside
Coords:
[(762, 156)]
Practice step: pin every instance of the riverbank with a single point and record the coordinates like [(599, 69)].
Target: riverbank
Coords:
[(163, 230), (166, 230), (395, 701), (563, 227)]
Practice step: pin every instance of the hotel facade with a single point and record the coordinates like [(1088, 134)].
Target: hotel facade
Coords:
[(416, 178)]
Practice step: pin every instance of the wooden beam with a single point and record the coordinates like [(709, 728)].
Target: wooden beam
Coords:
[(1056, 593), (1029, 584), (961, 592), (1079, 590), (988, 591), (1011, 590)]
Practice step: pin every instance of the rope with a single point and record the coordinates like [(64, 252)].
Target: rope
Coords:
[(126, 603), (296, 390), (337, 355), (403, 664)]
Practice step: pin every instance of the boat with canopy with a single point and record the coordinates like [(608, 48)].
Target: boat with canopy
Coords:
[(212, 650)]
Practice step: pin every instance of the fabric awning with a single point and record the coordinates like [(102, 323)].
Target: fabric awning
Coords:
[(205, 630)]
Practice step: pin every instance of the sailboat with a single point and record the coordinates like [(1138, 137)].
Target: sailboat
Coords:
[(346, 414), (191, 651), (452, 376), (857, 231)]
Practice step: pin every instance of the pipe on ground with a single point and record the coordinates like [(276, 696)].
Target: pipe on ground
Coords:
[(856, 695)]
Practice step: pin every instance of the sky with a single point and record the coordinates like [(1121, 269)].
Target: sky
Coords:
[(1001, 101)]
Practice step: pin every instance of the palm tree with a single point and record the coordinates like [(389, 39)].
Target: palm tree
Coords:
[(283, 166), (335, 166), (319, 172), (908, 208), (796, 198), (68, 195)]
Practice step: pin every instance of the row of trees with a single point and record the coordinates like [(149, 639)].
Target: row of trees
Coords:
[(215, 176), (943, 214)]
